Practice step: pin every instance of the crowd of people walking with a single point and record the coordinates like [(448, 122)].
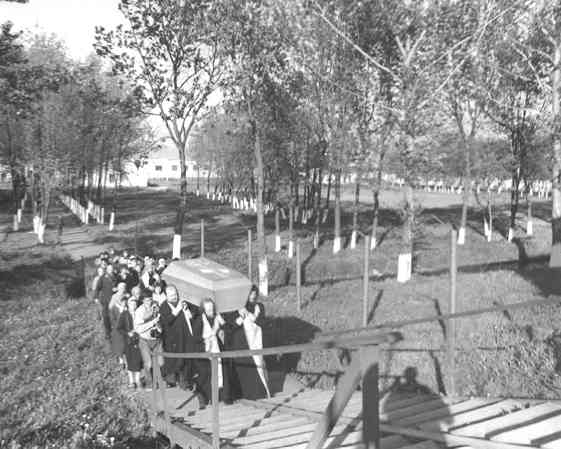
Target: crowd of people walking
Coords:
[(143, 317)]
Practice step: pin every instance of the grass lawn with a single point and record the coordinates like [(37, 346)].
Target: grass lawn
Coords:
[(61, 388)]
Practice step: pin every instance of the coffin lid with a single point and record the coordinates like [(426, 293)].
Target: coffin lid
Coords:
[(198, 278)]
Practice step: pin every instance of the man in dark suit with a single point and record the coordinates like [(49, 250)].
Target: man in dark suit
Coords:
[(102, 296)]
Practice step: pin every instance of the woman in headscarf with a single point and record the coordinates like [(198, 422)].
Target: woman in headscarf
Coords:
[(251, 371), (132, 352), (117, 304)]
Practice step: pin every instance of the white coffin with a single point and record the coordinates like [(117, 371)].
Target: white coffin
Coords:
[(201, 278)]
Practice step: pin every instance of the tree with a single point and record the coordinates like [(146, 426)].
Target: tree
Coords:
[(542, 54), (171, 50), (14, 101), (259, 74)]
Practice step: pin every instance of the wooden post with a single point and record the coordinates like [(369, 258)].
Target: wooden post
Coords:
[(346, 386), (451, 334), (277, 231), (154, 391), (365, 279), (202, 238), (370, 398), (159, 382), (215, 403), (249, 255), (84, 275), (290, 231), (298, 276)]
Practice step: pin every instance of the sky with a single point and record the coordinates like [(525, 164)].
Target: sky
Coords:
[(73, 21)]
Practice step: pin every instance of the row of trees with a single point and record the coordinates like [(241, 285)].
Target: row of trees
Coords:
[(62, 124), (312, 87)]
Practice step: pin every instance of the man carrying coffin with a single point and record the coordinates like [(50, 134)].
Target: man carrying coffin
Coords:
[(177, 332)]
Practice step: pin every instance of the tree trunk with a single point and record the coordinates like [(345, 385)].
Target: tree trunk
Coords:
[(337, 212), (405, 261), (355, 213), (466, 192), (327, 197), (375, 213), (317, 209), (555, 257), (182, 206), (261, 242), (514, 202), (529, 221)]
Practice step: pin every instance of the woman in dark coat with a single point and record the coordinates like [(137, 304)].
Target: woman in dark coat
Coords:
[(251, 371), (125, 326)]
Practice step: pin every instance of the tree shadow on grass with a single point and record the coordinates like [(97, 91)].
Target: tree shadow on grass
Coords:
[(58, 270), (279, 331)]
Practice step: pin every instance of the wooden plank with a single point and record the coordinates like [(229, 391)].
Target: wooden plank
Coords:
[(445, 413), (287, 422), (390, 403), (472, 416), (431, 404), (448, 439), (335, 440), (293, 432), (532, 433), (240, 425), (423, 445), (554, 444), (240, 414), (503, 423), (231, 411), (391, 442)]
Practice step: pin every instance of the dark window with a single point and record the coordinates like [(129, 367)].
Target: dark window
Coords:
[(174, 167), (158, 168)]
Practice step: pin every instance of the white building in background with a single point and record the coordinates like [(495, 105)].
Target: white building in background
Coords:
[(164, 164)]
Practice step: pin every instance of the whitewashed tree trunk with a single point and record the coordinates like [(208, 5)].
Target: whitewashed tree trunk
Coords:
[(263, 277), (404, 268), (353, 239), (176, 250), (462, 235), (19, 213), (277, 243), (15, 225), (112, 221), (41, 233), (336, 244)]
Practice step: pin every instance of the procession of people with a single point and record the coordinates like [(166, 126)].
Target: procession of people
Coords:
[(143, 317)]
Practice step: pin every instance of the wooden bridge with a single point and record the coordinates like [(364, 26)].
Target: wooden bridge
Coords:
[(354, 415), (413, 421)]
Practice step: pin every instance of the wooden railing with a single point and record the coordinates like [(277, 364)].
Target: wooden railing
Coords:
[(364, 367)]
